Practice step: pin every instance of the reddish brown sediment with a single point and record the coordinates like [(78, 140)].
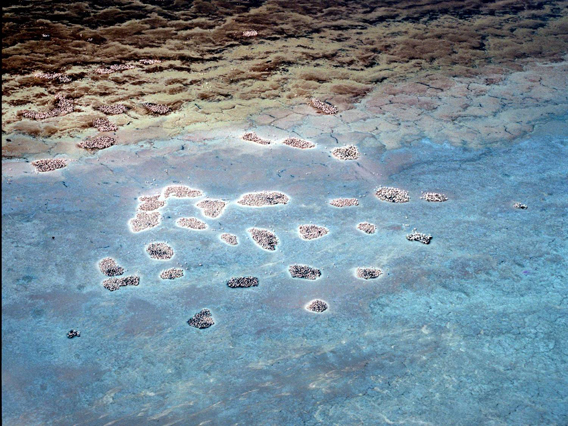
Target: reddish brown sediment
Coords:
[(230, 239), (250, 33), (304, 271), (323, 107), (113, 284), (263, 199), (318, 306), (144, 221), (160, 251), (242, 282), (212, 208), (253, 137), (264, 238), (344, 202), (157, 108), (151, 203), (202, 319), (392, 195), (520, 206), (312, 232), (97, 143), (104, 125), (181, 191), (434, 197), (49, 165), (112, 109), (63, 106), (368, 273), (191, 223), (345, 153), (172, 274), (417, 236), (298, 143), (367, 228), (110, 268)]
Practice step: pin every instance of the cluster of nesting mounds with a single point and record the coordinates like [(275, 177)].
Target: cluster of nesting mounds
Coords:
[(344, 202), (392, 195), (344, 153), (144, 220), (318, 306), (63, 106), (212, 208), (112, 109), (49, 165), (150, 61), (113, 284), (110, 268), (157, 108), (417, 236), (312, 232), (97, 143), (323, 107), (181, 191), (60, 77), (150, 203), (434, 197), (298, 143), (253, 137), (304, 272), (368, 273), (202, 319), (263, 199), (367, 228), (264, 238), (230, 239), (160, 251), (191, 223), (250, 33), (114, 68), (242, 282), (104, 125), (171, 274)]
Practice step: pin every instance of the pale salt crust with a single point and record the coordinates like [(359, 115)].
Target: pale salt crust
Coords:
[(110, 268), (323, 107), (417, 236), (434, 197), (312, 232), (49, 165), (344, 202), (150, 203), (368, 273), (113, 284), (160, 251), (144, 221), (367, 228), (157, 108), (104, 125), (191, 223), (211, 208), (318, 306), (181, 191), (392, 195), (298, 143), (202, 319), (230, 239), (345, 153), (99, 142), (264, 238), (242, 282), (305, 272), (263, 199), (253, 137), (171, 274)]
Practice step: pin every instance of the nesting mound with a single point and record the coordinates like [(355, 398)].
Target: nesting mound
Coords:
[(344, 153), (253, 137), (230, 239), (191, 223), (318, 306), (104, 125), (112, 109), (417, 236), (99, 142), (113, 284), (63, 106), (312, 232), (171, 274), (250, 33), (344, 202), (392, 195), (434, 197), (150, 203), (181, 191), (73, 333), (150, 61), (110, 268), (160, 251), (157, 109), (298, 143), (367, 228), (49, 165), (264, 238), (263, 199), (144, 221), (202, 319), (323, 107), (369, 273), (114, 68), (304, 272), (520, 206), (242, 282), (211, 208)]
